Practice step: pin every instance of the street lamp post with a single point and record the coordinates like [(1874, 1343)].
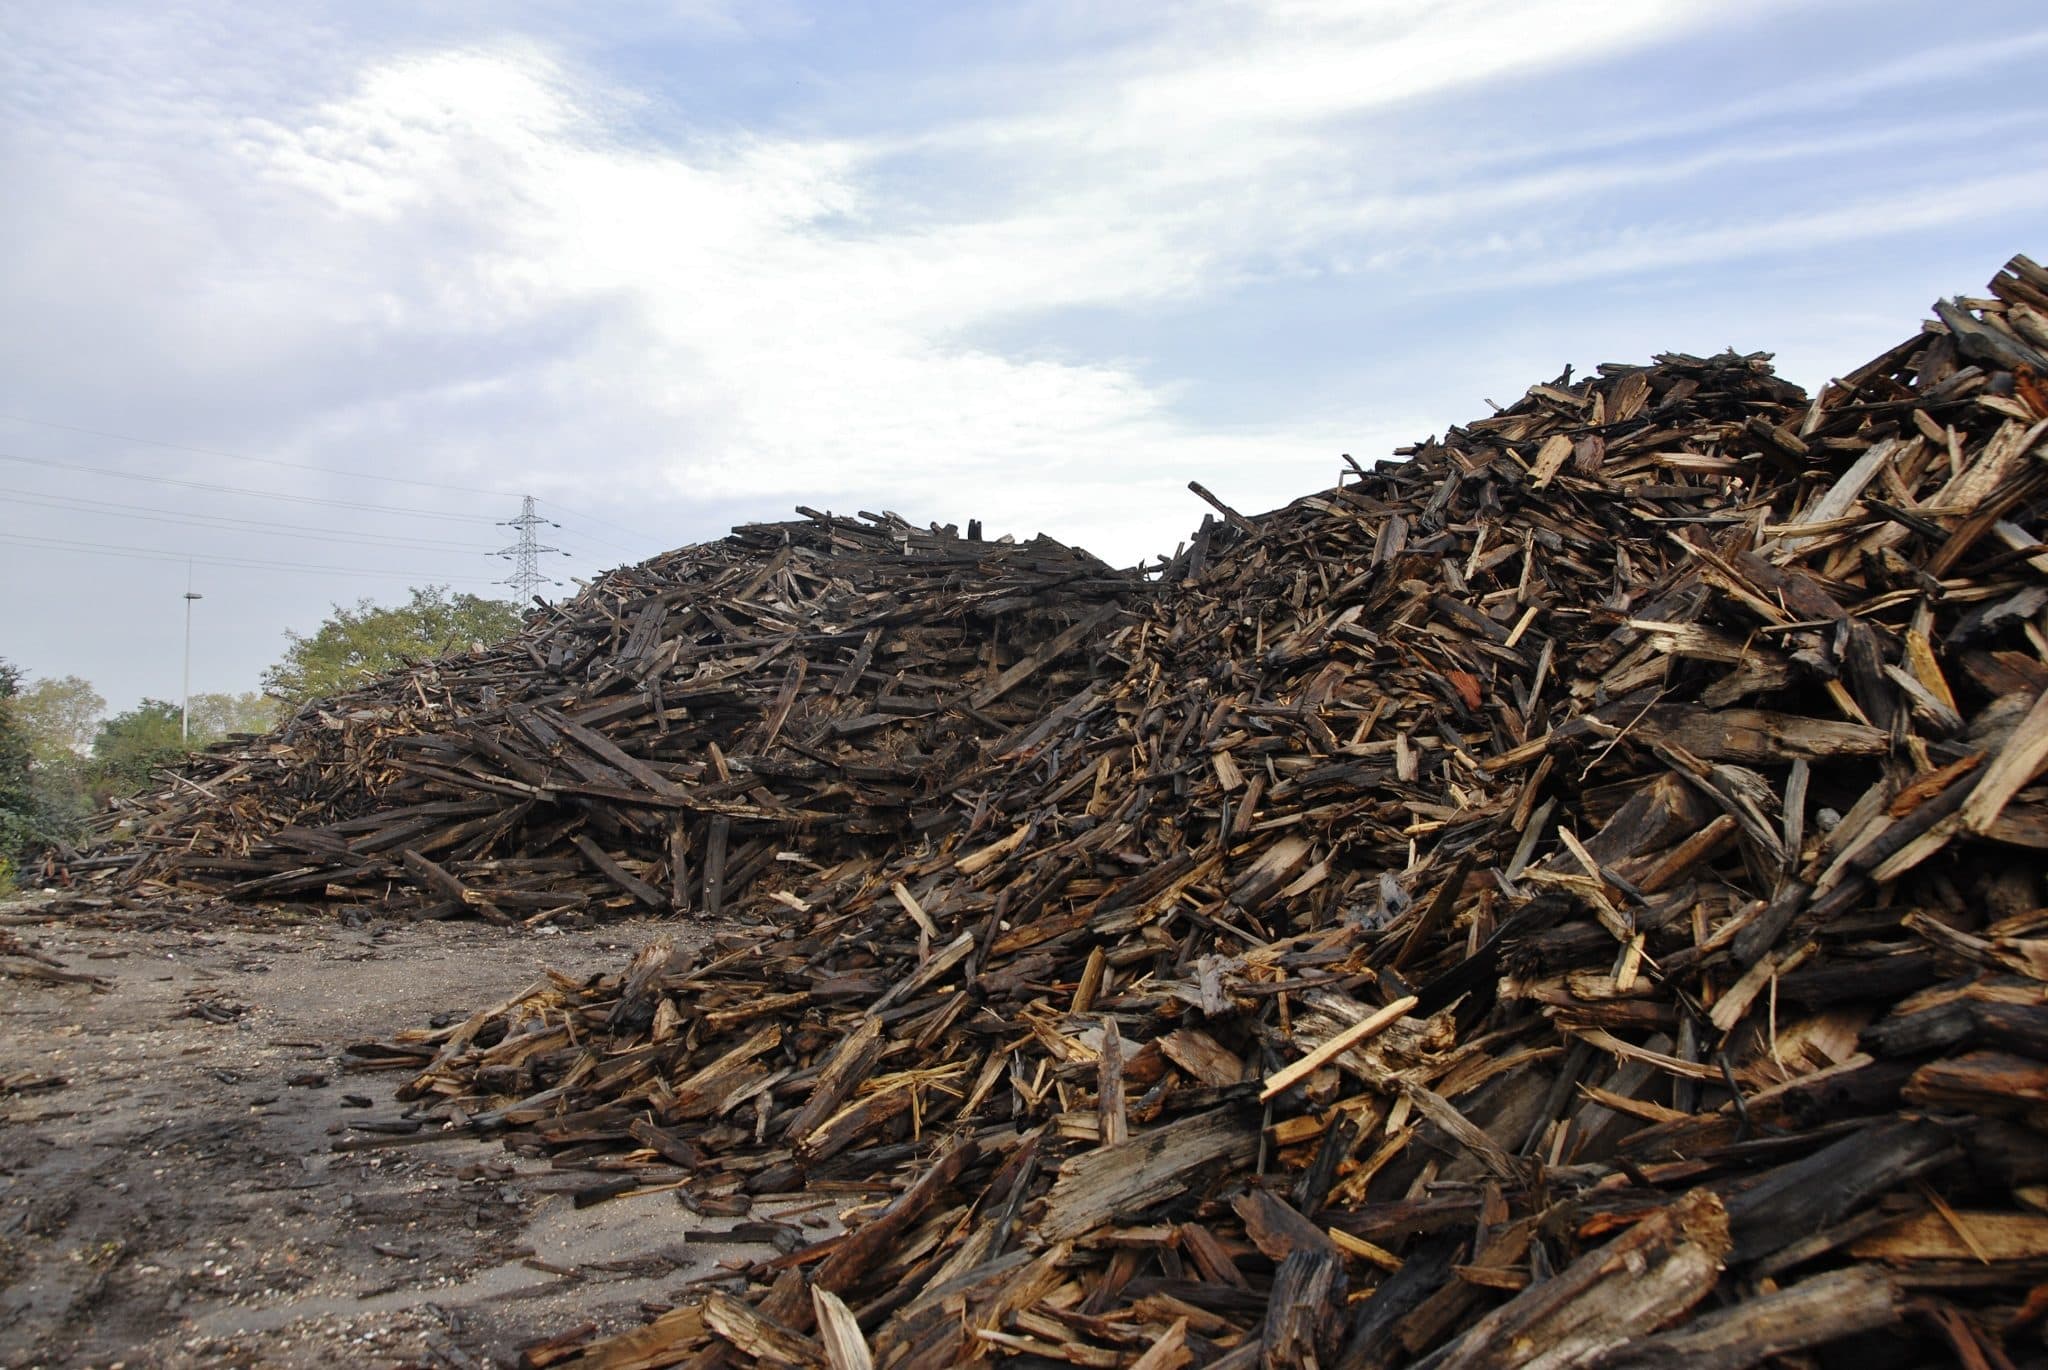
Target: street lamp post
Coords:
[(185, 716)]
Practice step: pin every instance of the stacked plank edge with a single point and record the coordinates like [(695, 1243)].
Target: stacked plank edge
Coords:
[(1572, 896)]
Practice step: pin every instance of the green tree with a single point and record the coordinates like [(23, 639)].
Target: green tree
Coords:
[(60, 717), (214, 716), (20, 821), (131, 747), (62, 789), (359, 644), (42, 776)]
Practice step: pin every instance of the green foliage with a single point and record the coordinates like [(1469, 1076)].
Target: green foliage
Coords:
[(19, 822), (60, 717), (62, 793), (132, 746), (58, 759), (359, 644), (214, 716), (39, 805)]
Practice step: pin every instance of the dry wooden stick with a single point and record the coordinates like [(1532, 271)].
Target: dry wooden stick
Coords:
[(1289, 1076)]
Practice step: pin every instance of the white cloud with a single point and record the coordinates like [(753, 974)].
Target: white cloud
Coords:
[(790, 347), (775, 330), (473, 254), (1305, 63), (1631, 251)]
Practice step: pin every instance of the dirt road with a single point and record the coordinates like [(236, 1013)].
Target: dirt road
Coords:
[(169, 1189)]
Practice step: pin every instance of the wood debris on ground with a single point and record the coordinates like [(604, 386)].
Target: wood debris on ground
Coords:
[(659, 743), (22, 961), (1570, 897)]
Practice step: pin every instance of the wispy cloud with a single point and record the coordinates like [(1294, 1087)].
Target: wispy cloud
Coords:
[(764, 324)]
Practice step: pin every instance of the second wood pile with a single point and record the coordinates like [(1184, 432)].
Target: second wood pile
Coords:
[(1571, 897), (655, 743)]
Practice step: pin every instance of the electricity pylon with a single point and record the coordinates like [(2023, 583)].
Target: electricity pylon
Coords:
[(525, 554)]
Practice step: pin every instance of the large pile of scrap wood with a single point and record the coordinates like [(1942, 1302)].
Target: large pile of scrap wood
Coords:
[(1572, 897), (657, 742)]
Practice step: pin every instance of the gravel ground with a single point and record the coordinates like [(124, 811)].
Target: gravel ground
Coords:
[(169, 1189)]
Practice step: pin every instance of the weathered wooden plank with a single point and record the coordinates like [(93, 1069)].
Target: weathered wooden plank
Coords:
[(1098, 1186)]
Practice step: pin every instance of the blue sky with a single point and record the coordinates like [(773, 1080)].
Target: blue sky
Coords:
[(673, 266)]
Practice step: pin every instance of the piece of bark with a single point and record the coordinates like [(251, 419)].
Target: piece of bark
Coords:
[(1634, 1285), (1802, 1196), (1306, 1314), (1276, 1228)]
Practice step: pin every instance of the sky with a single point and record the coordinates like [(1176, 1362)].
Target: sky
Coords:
[(298, 301)]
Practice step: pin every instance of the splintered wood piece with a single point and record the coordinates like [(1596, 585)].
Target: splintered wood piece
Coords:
[(915, 910), (757, 1336), (1813, 1312), (1473, 1140), (665, 1341), (2023, 757), (861, 1249), (1306, 1311), (1037, 660), (619, 875), (1986, 1081), (1806, 1195), (1169, 1352), (840, 1336), (703, 1092), (546, 1351), (1639, 1282), (1109, 1087), (1961, 1236), (1205, 1059), (1363, 1031), (1275, 1227), (1550, 459), (850, 1063), (714, 865), (1758, 736)]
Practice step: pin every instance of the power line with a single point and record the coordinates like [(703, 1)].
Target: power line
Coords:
[(619, 527), (223, 521), (584, 535), (603, 546), (238, 489), (261, 461), (240, 563), (312, 466)]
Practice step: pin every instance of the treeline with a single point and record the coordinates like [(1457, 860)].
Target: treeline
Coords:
[(62, 757)]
